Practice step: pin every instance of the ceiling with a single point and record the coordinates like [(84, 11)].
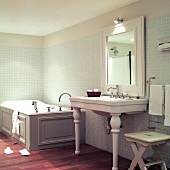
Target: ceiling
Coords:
[(43, 17)]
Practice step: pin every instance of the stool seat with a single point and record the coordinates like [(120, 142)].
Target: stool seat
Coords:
[(145, 139)]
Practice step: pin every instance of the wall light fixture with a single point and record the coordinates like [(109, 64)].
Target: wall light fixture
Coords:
[(118, 20)]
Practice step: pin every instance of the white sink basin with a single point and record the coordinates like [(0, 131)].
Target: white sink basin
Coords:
[(110, 105), (118, 99)]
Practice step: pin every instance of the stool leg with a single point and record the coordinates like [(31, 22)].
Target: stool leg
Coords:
[(157, 150), (145, 168), (163, 166), (138, 157)]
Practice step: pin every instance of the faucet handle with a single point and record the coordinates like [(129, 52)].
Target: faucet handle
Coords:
[(34, 102), (48, 108), (111, 95), (123, 95)]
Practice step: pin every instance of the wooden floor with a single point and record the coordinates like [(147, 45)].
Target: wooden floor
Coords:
[(63, 158)]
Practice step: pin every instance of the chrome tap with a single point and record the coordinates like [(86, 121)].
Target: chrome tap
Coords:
[(60, 100), (114, 88), (35, 105), (123, 95)]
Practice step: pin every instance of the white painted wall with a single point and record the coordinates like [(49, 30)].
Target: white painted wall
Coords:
[(147, 8), (21, 67), (17, 40)]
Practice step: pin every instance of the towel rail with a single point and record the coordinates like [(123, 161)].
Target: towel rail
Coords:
[(150, 121)]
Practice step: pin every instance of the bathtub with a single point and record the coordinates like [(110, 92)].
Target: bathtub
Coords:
[(42, 129)]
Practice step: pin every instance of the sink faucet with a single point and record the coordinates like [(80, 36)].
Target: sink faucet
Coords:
[(60, 99), (35, 105), (114, 88)]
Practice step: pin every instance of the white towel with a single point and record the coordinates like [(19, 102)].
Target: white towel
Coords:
[(167, 105), (156, 100), (15, 122)]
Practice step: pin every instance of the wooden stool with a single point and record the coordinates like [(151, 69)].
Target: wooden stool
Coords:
[(145, 139)]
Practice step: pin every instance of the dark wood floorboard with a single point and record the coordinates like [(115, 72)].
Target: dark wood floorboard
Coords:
[(62, 158)]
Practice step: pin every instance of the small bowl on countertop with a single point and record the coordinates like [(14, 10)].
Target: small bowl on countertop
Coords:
[(93, 93)]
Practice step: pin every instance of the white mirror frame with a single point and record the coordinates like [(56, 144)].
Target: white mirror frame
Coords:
[(136, 25)]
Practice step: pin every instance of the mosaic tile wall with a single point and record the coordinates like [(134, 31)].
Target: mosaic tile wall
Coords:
[(158, 65), (21, 73), (72, 67)]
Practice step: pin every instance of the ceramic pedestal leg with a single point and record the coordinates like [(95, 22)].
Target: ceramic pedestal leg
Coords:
[(115, 124), (77, 119)]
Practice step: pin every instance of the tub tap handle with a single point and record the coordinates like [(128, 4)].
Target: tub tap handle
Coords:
[(34, 102), (48, 108), (60, 108), (35, 105)]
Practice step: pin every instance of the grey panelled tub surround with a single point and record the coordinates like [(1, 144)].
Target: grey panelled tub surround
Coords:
[(39, 130), (106, 106)]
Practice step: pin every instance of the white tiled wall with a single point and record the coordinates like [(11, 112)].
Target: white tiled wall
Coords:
[(72, 67), (21, 73), (157, 62), (158, 65)]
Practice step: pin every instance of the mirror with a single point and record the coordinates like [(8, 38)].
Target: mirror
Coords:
[(120, 59), (123, 57)]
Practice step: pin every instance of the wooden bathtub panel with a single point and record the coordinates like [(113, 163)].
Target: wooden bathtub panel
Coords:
[(22, 135), (55, 130), (6, 122), (39, 133)]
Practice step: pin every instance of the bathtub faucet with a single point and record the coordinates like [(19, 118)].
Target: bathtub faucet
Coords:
[(35, 105), (60, 100)]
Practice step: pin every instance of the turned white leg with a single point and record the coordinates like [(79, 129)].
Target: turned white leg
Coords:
[(115, 124), (77, 119)]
